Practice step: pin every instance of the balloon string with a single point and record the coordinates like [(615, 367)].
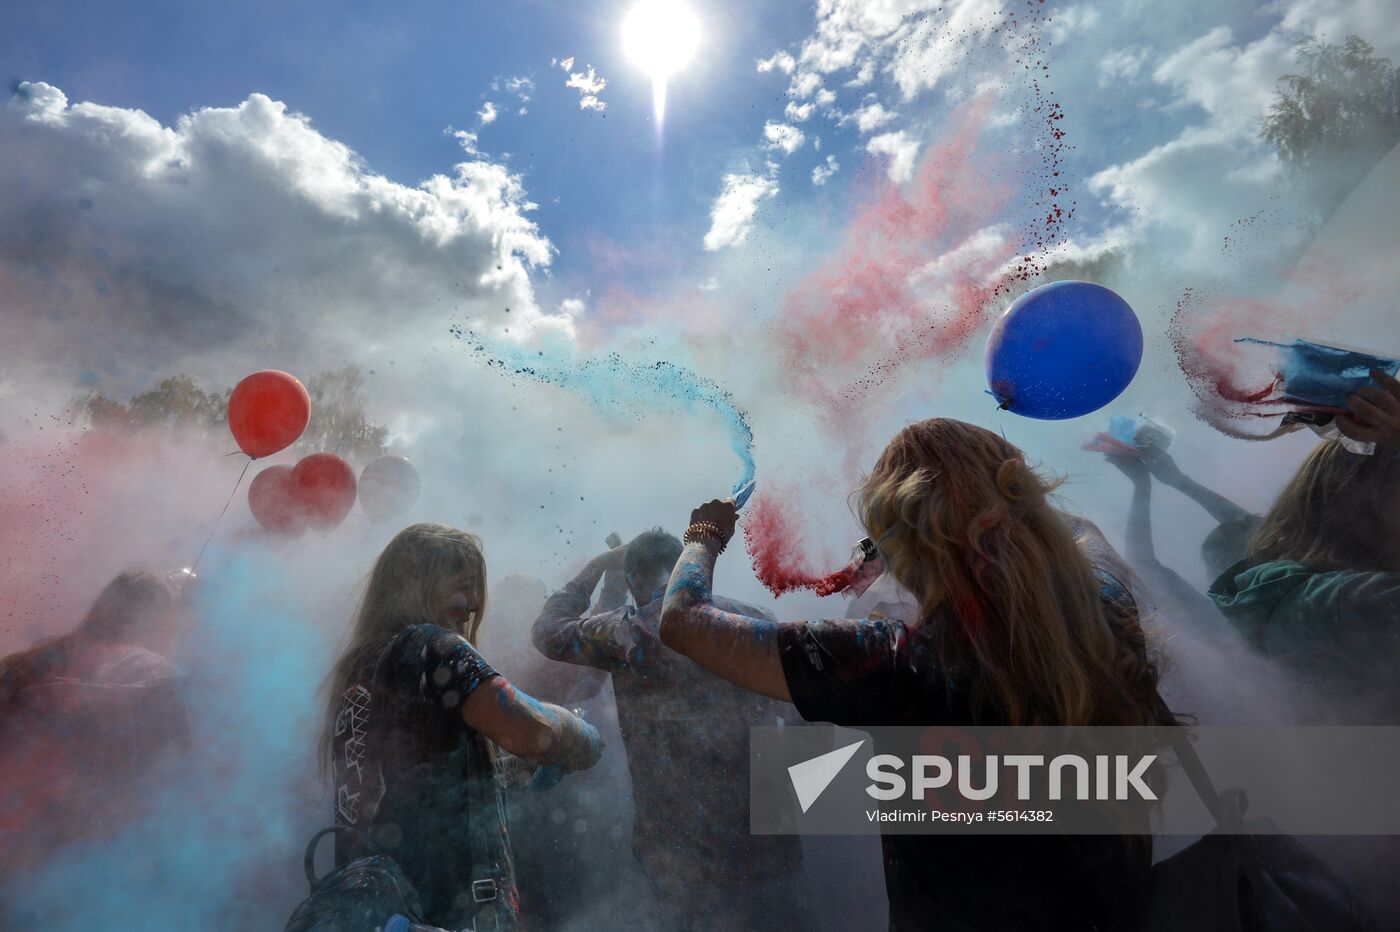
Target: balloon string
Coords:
[(215, 528)]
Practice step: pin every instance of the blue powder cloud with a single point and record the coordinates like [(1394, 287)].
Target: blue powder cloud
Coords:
[(221, 846), (612, 384)]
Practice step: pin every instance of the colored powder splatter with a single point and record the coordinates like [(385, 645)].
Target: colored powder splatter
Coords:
[(1237, 382), (778, 556), (912, 272), (612, 384), (922, 268)]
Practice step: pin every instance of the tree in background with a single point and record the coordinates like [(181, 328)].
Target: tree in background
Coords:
[(177, 403), (1335, 119), (338, 420)]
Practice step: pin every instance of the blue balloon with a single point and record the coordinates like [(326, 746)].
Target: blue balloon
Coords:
[(1063, 350)]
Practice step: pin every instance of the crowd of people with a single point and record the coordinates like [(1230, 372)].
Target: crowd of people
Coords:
[(1002, 609)]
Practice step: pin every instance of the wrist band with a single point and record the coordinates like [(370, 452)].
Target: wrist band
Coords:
[(703, 529)]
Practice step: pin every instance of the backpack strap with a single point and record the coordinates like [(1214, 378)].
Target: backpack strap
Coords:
[(308, 862), (1226, 808), (490, 909)]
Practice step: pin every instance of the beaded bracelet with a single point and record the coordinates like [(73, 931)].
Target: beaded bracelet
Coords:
[(701, 529)]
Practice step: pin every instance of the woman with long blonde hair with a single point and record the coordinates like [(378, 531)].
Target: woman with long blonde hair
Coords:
[(1016, 626), (1319, 587), (414, 716)]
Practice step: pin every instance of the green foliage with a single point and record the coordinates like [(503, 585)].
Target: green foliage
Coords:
[(338, 420), (178, 403), (1335, 119)]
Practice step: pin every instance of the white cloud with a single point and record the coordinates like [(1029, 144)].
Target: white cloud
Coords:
[(798, 113), (869, 118), (784, 137), (709, 284), (487, 114), (805, 85), (1234, 84), (733, 212), (1186, 192), (589, 85), (521, 86), (1071, 21), (236, 229), (901, 151), (825, 98), (1122, 64), (822, 173), (780, 61), (916, 42), (465, 139), (1334, 20), (565, 64), (572, 307)]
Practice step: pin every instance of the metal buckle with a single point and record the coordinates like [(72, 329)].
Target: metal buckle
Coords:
[(484, 891)]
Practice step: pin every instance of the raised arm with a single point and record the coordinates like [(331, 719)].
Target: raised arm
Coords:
[(530, 729), (741, 649), (562, 632), (1166, 471), (1138, 544)]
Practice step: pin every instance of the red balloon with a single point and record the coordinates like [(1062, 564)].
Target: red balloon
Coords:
[(267, 412), (325, 489), (272, 497)]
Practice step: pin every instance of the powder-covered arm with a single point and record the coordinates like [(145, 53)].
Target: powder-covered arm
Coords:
[(563, 633), (741, 649)]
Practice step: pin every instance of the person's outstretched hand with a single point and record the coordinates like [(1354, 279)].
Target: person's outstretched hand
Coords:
[(721, 513), (1160, 463), (1131, 466), (1373, 413)]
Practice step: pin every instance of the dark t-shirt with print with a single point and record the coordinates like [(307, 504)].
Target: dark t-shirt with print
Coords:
[(412, 776), (879, 671)]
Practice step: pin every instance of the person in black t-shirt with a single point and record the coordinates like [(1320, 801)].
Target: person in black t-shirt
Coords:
[(1022, 621), (414, 720)]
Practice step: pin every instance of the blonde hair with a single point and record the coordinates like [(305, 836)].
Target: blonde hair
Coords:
[(400, 592), (967, 527), (1330, 514)]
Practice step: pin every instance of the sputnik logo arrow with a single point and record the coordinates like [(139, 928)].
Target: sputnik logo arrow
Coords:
[(811, 777)]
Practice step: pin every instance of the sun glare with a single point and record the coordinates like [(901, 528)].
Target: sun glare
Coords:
[(660, 37)]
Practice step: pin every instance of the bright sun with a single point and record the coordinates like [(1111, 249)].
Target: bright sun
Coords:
[(660, 37)]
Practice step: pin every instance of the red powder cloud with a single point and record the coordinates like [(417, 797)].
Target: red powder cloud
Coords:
[(915, 278)]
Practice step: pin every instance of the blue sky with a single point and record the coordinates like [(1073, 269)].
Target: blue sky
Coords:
[(221, 233), (388, 80)]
